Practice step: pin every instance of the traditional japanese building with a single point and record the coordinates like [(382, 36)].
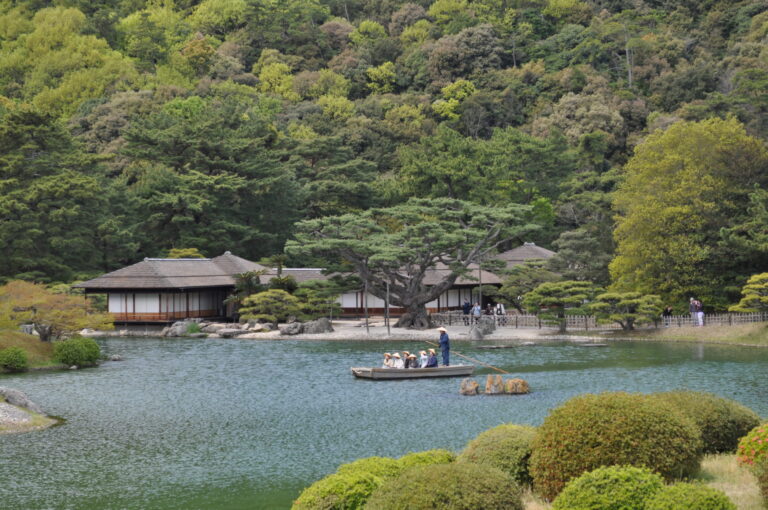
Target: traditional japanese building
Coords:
[(165, 290), (162, 290)]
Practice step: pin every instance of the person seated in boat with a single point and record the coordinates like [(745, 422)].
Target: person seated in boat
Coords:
[(387, 361), (432, 360), (412, 361), (406, 361), (423, 359), (398, 361)]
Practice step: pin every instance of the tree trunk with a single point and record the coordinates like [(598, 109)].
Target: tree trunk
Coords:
[(44, 332), (563, 324), (416, 317)]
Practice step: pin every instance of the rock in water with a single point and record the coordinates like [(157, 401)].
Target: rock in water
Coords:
[(469, 387), (321, 325), (19, 399), (230, 332), (293, 328), (486, 325), (475, 334), (494, 385), (516, 386)]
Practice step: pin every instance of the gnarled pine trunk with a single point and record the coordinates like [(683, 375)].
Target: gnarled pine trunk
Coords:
[(415, 317)]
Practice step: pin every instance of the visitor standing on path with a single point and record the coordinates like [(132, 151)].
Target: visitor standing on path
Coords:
[(692, 309), (444, 345), (476, 312), (699, 312), (466, 308)]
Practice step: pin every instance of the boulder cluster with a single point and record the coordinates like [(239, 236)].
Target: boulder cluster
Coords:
[(495, 385)]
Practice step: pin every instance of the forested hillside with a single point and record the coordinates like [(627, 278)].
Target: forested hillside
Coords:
[(635, 128)]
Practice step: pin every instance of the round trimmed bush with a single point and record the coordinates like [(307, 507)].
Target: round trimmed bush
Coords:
[(14, 359), (685, 496), (448, 487), (722, 421), (591, 431), (610, 488), (753, 447), (426, 458), (339, 491), (507, 447), (80, 351), (383, 467)]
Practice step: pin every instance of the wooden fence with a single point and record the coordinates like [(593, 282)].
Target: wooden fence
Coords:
[(589, 322)]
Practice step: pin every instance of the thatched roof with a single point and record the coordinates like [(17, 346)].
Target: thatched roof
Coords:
[(525, 252), (175, 274)]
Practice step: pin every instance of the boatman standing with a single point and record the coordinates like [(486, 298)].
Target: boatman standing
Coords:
[(445, 347)]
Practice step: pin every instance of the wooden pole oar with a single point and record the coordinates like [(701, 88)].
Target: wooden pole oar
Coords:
[(473, 360)]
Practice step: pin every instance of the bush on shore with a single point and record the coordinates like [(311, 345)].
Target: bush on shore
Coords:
[(354, 482), (453, 486), (610, 488), (687, 496), (753, 448), (761, 472), (722, 422), (14, 359), (78, 351), (506, 447), (591, 431)]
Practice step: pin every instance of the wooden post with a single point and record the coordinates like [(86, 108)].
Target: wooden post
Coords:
[(387, 308), (365, 304)]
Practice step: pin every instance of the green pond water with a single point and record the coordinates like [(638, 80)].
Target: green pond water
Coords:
[(246, 424)]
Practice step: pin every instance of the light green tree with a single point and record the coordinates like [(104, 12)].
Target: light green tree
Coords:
[(626, 308), (522, 279), (367, 33), (683, 186), (184, 253), (559, 299), (453, 95), (755, 295), (273, 305), (382, 78), (276, 78)]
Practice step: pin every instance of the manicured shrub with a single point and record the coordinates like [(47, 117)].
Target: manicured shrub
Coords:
[(78, 351), (426, 458), (383, 467), (753, 447), (591, 431), (448, 487), (722, 422), (339, 491), (610, 488), (14, 359), (686, 496), (507, 447)]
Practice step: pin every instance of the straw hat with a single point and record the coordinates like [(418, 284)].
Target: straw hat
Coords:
[(406, 353), (422, 352), (411, 356), (396, 355), (432, 351), (442, 329), (387, 355)]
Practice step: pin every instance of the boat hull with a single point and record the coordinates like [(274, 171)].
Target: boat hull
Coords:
[(393, 374)]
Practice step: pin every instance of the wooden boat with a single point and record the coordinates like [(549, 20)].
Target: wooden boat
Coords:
[(388, 374)]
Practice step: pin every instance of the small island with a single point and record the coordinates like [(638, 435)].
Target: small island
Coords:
[(19, 414)]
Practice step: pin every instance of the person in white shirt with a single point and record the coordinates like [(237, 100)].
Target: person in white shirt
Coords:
[(423, 359), (398, 361), (387, 361)]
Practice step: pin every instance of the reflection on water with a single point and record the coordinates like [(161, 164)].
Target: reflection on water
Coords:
[(246, 424)]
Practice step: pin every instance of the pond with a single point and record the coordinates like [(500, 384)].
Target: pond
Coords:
[(246, 424)]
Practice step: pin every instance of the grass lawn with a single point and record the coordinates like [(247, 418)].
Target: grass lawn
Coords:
[(718, 471), (40, 353), (740, 334)]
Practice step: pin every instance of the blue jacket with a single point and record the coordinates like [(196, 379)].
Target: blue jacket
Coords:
[(444, 341), (432, 362)]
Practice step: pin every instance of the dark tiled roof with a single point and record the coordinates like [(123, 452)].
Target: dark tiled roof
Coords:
[(440, 271), (175, 274)]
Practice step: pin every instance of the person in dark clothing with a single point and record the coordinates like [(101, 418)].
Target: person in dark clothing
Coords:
[(667, 315), (432, 360), (444, 345), (406, 361), (466, 308)]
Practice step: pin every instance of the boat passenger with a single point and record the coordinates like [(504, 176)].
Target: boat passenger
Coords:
[(406, 361), (387, 361), (432, 361), (412, 361), (398, 361), (423, 358)]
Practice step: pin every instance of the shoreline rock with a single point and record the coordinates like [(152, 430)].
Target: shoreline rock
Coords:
[(19, 414)]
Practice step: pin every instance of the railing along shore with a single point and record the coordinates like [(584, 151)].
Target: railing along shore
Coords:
[(589, 322)]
